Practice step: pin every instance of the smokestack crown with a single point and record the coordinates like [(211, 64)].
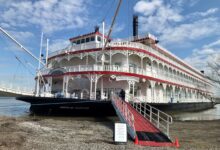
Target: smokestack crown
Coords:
[(135, 26)]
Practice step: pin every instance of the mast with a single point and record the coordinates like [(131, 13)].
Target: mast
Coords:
[(103, 56), (112, 24), (109, 32), (103, 33), (39, 65)]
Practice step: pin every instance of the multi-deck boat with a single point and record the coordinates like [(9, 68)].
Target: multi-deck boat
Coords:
[(84, 76)]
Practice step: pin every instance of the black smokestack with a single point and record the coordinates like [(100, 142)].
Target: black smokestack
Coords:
[(96, 28), (135, 26)]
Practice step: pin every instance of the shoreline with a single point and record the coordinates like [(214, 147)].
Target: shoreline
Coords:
[(95, 133)]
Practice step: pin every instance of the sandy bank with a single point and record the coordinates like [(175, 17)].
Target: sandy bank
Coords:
[(92, 133)]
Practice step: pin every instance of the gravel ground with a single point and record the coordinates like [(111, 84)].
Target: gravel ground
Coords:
[(94, 134)]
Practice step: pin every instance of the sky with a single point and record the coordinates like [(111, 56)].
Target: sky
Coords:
[(188, 28)]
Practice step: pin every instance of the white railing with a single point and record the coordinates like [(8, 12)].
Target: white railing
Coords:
[(160, 119), (76, 48), (126, 44), (15, 90), (127, 115), (135, 70)]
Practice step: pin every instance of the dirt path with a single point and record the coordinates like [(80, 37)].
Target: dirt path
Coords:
[(92, 133)]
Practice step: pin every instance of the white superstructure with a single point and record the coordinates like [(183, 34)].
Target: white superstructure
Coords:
[(139, 66)]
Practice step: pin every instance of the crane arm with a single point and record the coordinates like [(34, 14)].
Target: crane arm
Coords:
[(21, 46)]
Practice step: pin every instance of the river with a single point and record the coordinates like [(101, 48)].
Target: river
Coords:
[(11, 107)]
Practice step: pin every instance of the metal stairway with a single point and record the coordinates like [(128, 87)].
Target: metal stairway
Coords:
[(145, 123)]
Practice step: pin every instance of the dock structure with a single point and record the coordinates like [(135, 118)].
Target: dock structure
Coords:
[(146, 125), (9, 90), (217, 100)]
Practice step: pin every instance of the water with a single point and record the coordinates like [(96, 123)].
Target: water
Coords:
[(210, 114), (14, 108), (9, 106)]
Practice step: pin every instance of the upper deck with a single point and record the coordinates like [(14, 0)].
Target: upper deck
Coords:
[(93, 42)]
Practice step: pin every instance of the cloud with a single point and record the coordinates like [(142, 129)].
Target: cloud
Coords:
[(187, 32), (213, 44), (156, 15), (205, 56), (147, 8), (173, 27), (50, 15), (206, 13), (22, 35), (181, 3)]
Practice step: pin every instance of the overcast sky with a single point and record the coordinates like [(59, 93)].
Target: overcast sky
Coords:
[(188, 28)]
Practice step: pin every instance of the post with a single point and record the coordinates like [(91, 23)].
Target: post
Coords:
[(103, 33), (66, 88), (64, 85), (91, 82), (102, 96), (95, 87), (87, 59), (168, 126), (150, 114), (50, 84), (133, 88), (110, 61), (39, 65), (144, 110), (47, 50), (128, 62), (158, 119), (103, 45)]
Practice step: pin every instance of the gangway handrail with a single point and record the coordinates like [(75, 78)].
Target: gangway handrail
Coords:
[(157, 117), (127, 115)]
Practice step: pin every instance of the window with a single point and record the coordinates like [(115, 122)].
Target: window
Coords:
[(92, 38), (132, 65), (78, 42), (87, 39), (99, 38), (82, 41), (117, 64), (74, 43)]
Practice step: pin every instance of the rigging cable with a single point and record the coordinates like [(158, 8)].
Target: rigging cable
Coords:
[(15, 74), (21, 46), (23, 65)]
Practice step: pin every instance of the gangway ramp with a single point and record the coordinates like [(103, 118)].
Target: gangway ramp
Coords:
[(142, 125)]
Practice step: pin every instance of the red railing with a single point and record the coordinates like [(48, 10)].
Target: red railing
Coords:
[(124, 111), (158, 118)]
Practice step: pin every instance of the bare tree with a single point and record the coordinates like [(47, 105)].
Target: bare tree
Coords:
[(215, 71)]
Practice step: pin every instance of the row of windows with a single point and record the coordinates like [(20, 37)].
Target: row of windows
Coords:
[(86, 40)]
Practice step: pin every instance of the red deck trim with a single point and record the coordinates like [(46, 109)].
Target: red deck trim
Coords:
[(132, 49), (126, 74)]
